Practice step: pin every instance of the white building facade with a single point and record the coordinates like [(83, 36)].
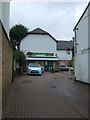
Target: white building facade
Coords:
[(38, 43), (4, 15), (64, 50), (45, 46), (82, 46)]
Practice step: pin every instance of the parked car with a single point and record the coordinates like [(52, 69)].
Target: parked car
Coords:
[(63, 67), (34, 68), (56, 70), (71, 68)]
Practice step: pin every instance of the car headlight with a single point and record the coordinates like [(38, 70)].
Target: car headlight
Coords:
[(29, 69), (39, 69)]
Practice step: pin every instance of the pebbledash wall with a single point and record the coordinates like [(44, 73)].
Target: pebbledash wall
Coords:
[(7, 57), (0, 73), (6, 54)]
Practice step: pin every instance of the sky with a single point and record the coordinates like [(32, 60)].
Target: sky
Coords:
[(57, 18)]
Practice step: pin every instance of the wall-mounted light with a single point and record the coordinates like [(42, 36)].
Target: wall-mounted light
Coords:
[(77, 43), (68, 50), (82, 50), (76, 28)]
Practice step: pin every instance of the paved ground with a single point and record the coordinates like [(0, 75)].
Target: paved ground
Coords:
[(47, 96)]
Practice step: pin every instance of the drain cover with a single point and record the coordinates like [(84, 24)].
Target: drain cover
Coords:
[(53, 86), (27, 81)]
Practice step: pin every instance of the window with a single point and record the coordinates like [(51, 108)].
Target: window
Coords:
[(68, 52)]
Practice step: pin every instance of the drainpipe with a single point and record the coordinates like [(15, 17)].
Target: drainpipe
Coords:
[(75, 51), (75, 41)]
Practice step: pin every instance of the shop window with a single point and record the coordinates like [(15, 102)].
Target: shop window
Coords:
[(68, 52)]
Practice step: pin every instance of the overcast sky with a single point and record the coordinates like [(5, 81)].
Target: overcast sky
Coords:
[(57, 18)]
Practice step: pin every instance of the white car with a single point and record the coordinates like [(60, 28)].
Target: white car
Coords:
[(71, 68), (34, 68), (63, 67)]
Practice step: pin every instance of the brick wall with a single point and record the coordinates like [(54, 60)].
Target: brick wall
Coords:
[(0, 73), (6, 66)]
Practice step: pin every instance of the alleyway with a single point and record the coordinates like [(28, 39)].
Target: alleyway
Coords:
[(47, 96)]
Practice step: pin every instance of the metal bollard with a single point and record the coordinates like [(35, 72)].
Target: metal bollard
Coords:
[(69, 72)]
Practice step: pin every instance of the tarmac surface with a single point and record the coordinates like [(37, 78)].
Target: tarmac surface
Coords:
[(52, 95)]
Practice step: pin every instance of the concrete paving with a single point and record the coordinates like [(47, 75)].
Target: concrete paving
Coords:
[(52, 95)]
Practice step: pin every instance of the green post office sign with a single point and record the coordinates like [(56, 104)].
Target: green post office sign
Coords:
[(41, 54)]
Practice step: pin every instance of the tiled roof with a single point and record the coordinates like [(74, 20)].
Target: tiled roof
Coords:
[(65, 45), (38, 31), (41, 32)]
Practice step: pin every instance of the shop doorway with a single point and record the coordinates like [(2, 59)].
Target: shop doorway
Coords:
[(48, 65)]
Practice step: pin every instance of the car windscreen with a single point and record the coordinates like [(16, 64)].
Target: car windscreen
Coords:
[(34, 65), (62, 66)]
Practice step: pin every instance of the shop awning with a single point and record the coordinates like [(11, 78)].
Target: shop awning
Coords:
[(42, 58)]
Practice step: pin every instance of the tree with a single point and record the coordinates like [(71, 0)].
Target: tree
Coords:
[(29, 53), (17, 33), (20, 58)]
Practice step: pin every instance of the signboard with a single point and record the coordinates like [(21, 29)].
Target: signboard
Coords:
[(42, 54)]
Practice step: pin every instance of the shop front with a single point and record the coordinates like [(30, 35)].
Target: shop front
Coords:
[(48, 60)]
